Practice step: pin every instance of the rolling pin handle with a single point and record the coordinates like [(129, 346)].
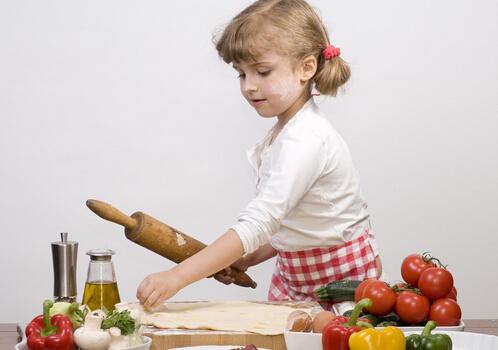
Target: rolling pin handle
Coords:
[(109, 213)]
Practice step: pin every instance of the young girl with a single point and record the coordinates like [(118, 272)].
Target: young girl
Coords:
[(308, 210)]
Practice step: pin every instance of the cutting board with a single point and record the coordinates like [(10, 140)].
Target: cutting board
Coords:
[(163, 339)]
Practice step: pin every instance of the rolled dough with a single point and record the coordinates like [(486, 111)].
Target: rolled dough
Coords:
[(222, 315)]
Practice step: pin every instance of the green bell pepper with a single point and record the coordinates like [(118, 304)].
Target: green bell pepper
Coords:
[(428, 341)]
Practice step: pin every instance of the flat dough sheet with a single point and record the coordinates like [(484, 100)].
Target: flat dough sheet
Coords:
[(222, 315)]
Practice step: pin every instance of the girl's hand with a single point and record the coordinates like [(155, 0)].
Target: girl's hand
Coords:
[(156, 288), (242, 264)]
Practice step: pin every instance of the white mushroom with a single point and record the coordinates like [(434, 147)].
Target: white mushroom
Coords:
[(118, 341), (90, 336)]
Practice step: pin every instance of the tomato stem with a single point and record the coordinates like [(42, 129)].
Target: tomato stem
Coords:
[(428, 258), (407, 287)]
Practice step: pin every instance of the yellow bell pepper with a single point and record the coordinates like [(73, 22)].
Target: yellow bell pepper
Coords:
[(389, 338)]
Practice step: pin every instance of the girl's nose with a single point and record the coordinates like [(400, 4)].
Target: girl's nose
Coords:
[(248, 85)]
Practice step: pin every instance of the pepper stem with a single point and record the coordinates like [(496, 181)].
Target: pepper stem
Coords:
[(429, 327), (361, 325), (49, 328), (363, 303)]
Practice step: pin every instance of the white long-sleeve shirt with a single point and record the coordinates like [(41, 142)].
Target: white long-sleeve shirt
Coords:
[(307, 189)]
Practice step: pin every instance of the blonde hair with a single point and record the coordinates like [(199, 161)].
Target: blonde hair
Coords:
[(290, 27)]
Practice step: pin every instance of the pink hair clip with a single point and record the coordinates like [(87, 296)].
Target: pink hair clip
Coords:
[(331, 51)]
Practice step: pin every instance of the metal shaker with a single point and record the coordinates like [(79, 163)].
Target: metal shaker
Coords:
[(64, 257)]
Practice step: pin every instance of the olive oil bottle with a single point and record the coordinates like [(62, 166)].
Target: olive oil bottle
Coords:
[(101, 288), (101, 294)]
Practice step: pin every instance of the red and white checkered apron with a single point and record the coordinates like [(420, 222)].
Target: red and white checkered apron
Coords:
[(298, 274)]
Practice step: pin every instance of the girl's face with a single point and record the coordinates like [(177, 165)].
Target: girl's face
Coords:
[(272, 86)]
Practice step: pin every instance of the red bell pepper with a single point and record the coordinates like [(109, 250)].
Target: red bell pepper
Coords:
[(336, 333), (52, 333)]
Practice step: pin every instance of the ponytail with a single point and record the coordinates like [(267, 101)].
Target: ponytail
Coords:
[(331, 75)]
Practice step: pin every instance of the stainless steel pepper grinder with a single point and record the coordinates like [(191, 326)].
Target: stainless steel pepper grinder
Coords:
[(64, 257)]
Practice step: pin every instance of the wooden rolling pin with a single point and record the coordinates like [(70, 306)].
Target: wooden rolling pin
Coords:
[(159, 237)]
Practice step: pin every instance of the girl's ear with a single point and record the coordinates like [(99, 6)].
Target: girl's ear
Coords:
[(308, 68)]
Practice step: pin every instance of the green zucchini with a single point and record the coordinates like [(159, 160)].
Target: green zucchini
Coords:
[(342, 290)]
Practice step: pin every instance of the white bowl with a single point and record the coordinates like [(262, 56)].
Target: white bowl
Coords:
[(313, 341), (460, 340), (145, 346)]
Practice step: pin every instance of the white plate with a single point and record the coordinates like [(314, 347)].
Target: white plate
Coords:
[(214, 347), (468, 341), (145, 346)]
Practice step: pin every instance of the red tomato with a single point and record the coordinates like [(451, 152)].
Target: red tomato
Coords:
[(411, 268), (435, 283), (383, 298), (359, 292), (453, 294), (412, 308), (445, 312)]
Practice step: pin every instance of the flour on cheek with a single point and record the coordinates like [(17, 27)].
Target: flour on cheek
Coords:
[(283, 87)]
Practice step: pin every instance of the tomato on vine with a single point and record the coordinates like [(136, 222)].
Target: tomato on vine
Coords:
[(445, 312), (412, 308), (383, 298), (359, 292), (413, 265), (435, 283), (453, 294)]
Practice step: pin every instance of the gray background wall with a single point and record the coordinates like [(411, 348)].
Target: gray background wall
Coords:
[(128, 103)]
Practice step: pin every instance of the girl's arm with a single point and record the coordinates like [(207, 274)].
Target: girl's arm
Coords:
[(260, 255), (161, 286)]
